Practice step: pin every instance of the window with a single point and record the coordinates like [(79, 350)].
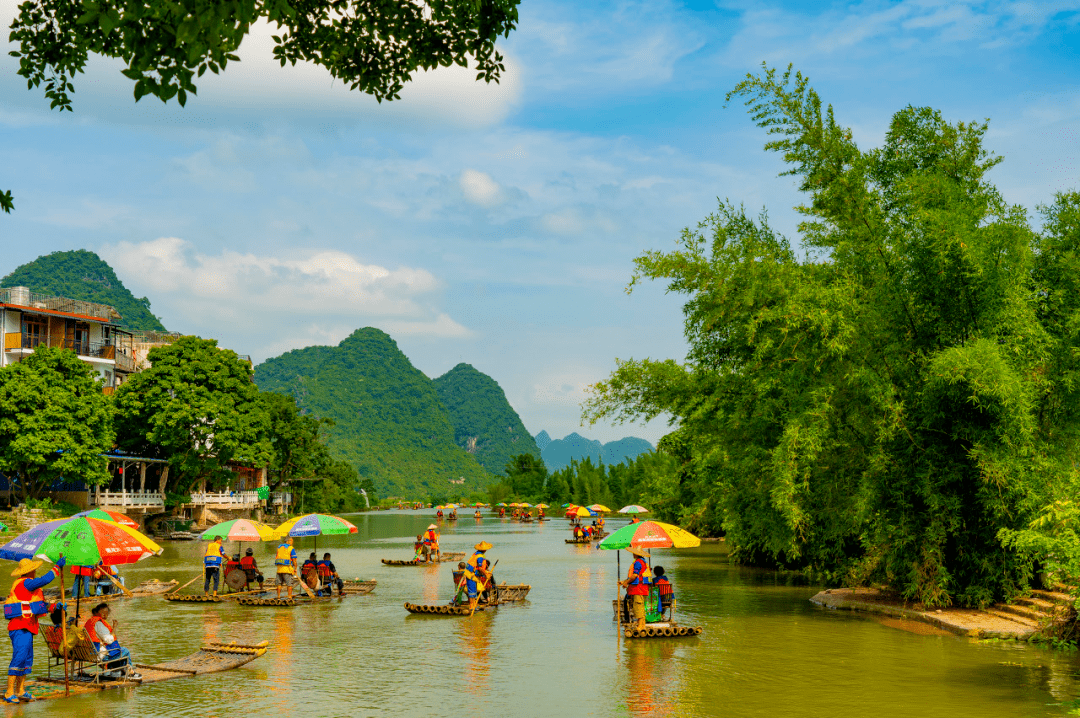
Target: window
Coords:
[(34, 331)]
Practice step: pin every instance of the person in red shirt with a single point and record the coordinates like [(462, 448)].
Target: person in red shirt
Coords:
[(637, 585), (23, 606)]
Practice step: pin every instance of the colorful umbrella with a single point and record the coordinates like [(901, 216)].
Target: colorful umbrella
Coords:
[(501, 503), (525, 505), (82, 541), (542, 506), (104, 515), (581, 512), (566, 506), (314, 525), (600, 508), (633, 509), (240, 530), (650, 534)]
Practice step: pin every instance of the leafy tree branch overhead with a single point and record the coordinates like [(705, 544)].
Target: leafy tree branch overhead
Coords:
[(371, 45)]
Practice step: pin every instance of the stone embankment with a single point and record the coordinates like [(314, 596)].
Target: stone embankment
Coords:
[(1020, 620)]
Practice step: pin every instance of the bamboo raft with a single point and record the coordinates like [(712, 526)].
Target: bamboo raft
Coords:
[(443, 558), (151, 587), (211, 658), (660, 629), (503, 594), (351, 588), (580, 540)]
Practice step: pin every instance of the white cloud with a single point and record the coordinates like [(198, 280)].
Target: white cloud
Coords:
[(320, 295), (479, 188)]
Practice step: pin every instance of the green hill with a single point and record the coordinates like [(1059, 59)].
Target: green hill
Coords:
[(484, 423), (389, 422), (83, 275)]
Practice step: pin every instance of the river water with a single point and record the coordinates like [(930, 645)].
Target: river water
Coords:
[(765, 650)]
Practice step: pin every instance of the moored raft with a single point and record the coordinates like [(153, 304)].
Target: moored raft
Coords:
[(210, 658), (443, 558)]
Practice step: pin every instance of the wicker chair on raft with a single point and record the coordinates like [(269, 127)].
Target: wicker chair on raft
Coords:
[(82, 657)]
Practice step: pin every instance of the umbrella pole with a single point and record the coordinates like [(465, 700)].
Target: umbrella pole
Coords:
[(63, 630)]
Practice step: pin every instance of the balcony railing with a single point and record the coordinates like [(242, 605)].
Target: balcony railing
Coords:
[(22, 297), (94, 350), (226, 498), (279, 498), (150, 499)]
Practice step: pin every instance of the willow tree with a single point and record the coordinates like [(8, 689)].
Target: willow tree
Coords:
[(888, 406)]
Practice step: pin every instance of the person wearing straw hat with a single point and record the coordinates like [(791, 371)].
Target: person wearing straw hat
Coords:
[(431, 542), (477, 573), (637, 585), (23, 606)]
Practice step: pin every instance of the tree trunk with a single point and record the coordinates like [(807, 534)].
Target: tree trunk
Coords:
[(163, 480)]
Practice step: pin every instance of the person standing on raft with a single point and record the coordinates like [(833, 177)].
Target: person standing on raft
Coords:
[(431, 543), (637, 585), (476, 574), (23, 606), (285, 562), (212, 561)]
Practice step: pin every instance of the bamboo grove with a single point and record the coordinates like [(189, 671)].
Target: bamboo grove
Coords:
[(892, 398)]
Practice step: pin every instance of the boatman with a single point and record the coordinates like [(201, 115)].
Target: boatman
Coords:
[(431, 543), (637, 585), (23, 606), (212, 560), (285, 563), (477, 573)]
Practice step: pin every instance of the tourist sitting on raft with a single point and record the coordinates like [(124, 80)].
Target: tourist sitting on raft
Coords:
[(309, 571), (103, 635), (502, 513), (476, 514), (439, 514), (23, 606), (328, 577), (665, 592), (104, 585), (250, 568)]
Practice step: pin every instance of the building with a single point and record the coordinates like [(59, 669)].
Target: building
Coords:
[(29, 320)]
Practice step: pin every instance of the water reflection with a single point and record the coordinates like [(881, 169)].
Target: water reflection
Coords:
[(475, 647), (652, 683)]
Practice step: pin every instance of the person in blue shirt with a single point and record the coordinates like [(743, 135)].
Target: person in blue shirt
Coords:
[(23, 606), (212, 561)]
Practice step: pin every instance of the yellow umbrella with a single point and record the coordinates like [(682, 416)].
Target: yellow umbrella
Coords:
[(601, 508), (542, 506)]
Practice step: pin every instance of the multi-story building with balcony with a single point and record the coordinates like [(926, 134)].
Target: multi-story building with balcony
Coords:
[(29, 320)]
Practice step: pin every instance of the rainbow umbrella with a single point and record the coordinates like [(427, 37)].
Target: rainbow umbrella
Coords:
[(314, 525), (501, 503), (650, 534), (82, 541), (240, 530), (633, 509), (104, 515), (542, 506), (566, 506), (600, 508), (581, 512)]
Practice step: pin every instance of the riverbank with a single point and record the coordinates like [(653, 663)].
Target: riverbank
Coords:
[(1018, 621)]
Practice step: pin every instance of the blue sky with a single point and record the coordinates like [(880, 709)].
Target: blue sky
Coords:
[(496, 225)]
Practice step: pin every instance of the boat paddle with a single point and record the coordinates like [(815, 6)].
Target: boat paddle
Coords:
[(116, 583), (173, 593), (63, 631)]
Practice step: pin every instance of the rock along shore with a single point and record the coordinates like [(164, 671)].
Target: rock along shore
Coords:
[(1018, 621)]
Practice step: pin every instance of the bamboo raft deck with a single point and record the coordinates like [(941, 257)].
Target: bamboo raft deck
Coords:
[(300, 597), (581, 540), (211, 658), (503, 594), (443, 558), (659, 629), (151, 587)]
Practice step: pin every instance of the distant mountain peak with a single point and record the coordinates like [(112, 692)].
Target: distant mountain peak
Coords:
[(542, 439), (81, 274), (557, 454)]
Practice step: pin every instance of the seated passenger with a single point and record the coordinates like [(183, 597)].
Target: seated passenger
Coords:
[(665, 591), (102, 633), (251, 568), (309, 568), (328, 576), (104, 586)]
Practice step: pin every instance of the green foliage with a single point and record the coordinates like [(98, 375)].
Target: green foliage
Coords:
[(197, 407), (373, 47), (55, 421), (7, 202), (388, 422), (484, 423), (889, 408), (83, 275)]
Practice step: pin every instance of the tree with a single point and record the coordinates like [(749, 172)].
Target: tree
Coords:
[(374, 47), (197, 407), (298, 449), (889, 406), (55, 422)]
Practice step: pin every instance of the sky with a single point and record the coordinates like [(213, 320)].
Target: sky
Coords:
[(497, 224)]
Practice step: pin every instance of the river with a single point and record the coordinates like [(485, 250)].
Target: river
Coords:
[(765, 650)]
